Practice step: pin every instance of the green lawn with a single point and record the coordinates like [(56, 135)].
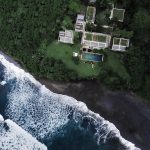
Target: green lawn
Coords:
[(115, 63), (64, 52), (84, 70)]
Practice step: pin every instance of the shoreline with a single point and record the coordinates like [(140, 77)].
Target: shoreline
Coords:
[(128, 113), (11, 59)]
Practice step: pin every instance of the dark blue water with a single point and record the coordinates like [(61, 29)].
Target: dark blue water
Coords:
[(60, 122)]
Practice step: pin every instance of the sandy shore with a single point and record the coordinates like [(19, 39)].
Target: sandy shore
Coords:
[(130, 114)]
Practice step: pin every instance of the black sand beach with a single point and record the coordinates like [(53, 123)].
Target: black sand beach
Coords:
[(130, 114)]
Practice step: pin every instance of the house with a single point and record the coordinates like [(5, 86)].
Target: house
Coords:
[(90, 14), (120, 44), (95, 40), (118, 14), (80, 23), (66, 36)]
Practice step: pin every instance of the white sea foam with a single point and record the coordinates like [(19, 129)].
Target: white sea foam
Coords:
[(1, 118), (3, 83), (13, 137), (41, 112)]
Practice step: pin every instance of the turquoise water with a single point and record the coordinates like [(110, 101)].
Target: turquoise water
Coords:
[(58, 121), (92, 57)]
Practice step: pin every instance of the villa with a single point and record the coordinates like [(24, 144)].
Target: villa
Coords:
[(118, 14), (80, 23), (120, 44), (90, 14), (95, 40), (66, 36)]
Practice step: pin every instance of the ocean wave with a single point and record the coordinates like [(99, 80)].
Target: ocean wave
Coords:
[(13, 137), (42, 112)]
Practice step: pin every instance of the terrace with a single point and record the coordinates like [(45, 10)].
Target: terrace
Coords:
[(90, 14), (80, 23), (66, 36), (95, 40), (120, 44), (118, 14)]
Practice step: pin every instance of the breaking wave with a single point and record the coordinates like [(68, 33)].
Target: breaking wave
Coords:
[(44, 114), (14, 137)]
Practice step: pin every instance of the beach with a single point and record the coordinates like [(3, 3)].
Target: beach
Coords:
[(129, 113)]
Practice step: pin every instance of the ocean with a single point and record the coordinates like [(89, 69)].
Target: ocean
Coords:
[(58, 121)]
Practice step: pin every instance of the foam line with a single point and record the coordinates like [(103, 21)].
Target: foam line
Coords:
[(1, 118), (15, 138), (53, 108)]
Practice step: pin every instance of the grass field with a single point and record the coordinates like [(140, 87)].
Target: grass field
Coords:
[(115, 63), (84, 70), (64, 52)]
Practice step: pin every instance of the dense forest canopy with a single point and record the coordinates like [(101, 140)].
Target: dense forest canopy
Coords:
[(27, 27)]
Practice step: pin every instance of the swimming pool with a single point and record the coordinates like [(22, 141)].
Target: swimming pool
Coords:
[(92, 57)]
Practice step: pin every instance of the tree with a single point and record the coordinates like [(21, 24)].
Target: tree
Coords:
[(123, 33)]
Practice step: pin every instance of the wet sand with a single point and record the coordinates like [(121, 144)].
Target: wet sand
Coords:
[(130, 114)]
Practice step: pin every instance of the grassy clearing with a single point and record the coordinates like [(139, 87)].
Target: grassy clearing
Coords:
[(115, 63), (64, 52), (84, 70)]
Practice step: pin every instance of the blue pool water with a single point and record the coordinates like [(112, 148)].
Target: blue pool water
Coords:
[(58, 121), (92, 57)]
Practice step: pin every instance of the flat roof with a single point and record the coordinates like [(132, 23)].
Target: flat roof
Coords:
[(68, 33), (80, 17), (90, 14), (121, 41), (120, 44), (80, 23), (96, 40), (117, 13), (66, 36), (98, 37)]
